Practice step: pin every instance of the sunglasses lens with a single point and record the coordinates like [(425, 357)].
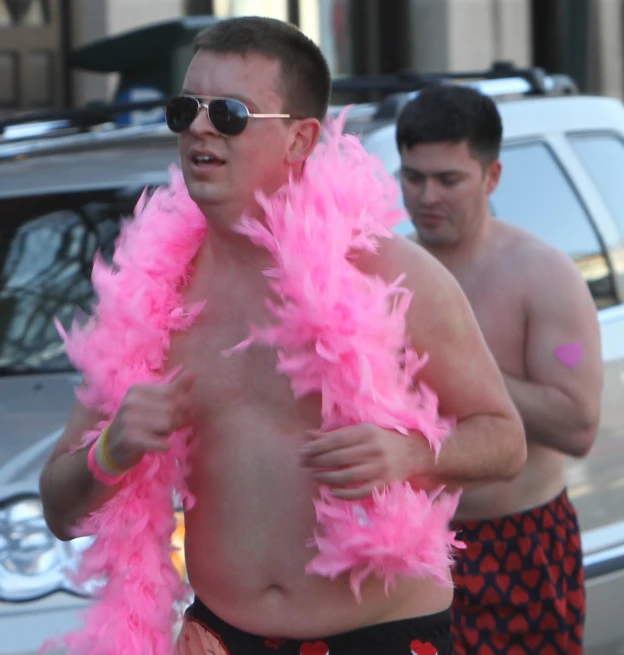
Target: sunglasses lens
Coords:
[(181, 112), (228, 116)]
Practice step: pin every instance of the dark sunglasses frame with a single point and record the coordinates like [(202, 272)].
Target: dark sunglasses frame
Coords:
[(230, 122)]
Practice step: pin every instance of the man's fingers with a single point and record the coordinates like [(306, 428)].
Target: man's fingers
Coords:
[(354, 493), (147, 443), (350, 476), (157, 416), (317, 443), (346, 456), (161, 422), (172, 376), (181, 383), (184, 411), (347, 433), (182, 380), (179, 390)]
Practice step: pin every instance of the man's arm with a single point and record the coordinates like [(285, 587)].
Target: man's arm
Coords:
[(68, 490), (560, 399), (148, 415), (488, 444)]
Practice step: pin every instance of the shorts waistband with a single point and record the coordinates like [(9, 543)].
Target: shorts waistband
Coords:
[(560, 501), (433, 627)]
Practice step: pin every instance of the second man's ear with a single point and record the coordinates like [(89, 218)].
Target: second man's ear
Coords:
[(493, 174)]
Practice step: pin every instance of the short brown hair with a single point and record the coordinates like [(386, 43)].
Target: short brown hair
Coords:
[(305, 73), (452, 113)]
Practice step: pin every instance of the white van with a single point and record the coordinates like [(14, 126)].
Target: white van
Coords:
[(62, 192)]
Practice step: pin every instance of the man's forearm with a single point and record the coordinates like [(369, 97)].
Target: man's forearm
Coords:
[(69, 492), (552, 418), (482, 449)]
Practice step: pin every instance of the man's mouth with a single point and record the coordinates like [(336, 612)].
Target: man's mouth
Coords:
[(431, 218), (206, 160)]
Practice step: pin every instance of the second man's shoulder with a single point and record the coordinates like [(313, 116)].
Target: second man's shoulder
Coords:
[(538, 260)]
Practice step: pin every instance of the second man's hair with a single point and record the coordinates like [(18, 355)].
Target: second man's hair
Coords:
[(452, 113)]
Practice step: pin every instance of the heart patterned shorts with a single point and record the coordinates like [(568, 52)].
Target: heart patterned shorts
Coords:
[(519, 584)]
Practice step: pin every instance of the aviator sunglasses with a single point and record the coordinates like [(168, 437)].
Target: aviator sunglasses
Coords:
[(227, 115)]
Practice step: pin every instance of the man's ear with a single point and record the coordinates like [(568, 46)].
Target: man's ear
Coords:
[(305, 135), (493, 175)]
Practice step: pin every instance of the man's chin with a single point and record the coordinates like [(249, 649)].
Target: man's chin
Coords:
[(435, 238), (204, 194)]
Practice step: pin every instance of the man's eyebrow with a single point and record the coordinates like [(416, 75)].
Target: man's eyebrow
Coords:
[(409, 169), (451, 171)]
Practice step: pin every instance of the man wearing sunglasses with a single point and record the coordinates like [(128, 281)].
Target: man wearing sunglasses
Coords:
[(248, 118)]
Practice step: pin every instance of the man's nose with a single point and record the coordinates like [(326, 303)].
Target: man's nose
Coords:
[(429, 194), (202, 125)]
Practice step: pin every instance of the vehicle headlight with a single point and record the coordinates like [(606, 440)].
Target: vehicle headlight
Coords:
[(33, 562)]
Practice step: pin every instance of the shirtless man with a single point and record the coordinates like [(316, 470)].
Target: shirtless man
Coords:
[(253, 478), (520, 581)]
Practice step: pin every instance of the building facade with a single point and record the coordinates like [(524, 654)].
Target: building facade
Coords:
[(580, 37)]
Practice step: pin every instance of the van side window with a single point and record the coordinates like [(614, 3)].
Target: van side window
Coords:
[(603, 157), (47, 246), (535, 194)]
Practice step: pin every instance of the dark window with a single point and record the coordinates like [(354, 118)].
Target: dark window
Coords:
[(535, 194), (47, 246), (603, 157)]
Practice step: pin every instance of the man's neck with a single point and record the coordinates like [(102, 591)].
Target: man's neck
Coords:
[(223, 219), (227, 245)]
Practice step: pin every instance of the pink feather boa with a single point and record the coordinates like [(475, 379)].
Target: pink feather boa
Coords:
[(337, 332)]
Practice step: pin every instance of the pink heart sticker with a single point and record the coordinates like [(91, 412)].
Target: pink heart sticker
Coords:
[(569, 354)]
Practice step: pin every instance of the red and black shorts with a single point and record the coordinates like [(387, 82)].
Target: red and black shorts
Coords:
[(520, 585), (203, 632)]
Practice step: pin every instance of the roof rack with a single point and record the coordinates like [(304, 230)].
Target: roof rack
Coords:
[(502, 79), (532, 80)]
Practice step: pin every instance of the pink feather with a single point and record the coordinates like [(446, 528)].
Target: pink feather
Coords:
[(337, 333), (341, 333), (127, 342)]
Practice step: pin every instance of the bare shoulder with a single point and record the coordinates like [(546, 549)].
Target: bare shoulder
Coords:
[(441, 324), (398, 256), (547, 273), (436, 293)]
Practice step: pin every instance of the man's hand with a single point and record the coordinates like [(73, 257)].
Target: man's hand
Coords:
[(148, 415), (352, 461)]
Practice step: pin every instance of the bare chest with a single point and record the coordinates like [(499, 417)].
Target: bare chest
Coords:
[(232, 383), (496, 298)]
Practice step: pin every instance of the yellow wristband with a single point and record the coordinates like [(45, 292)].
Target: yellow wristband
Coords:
[(101, 464), (106, 461)]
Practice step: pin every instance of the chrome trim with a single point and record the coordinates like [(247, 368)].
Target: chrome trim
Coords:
[(107, 133), (502, 87), (604, 562), (611, 314)]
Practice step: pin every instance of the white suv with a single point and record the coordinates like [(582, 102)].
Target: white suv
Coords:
[(61, 196)]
